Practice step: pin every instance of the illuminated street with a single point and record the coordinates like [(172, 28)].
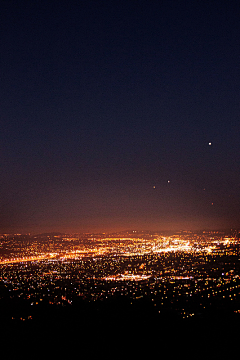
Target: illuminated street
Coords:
[(185, 274)]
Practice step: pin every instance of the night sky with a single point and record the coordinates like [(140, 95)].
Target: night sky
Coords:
[(119, 115)]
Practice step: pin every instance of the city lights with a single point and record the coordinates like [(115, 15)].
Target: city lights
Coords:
[(184, 273)]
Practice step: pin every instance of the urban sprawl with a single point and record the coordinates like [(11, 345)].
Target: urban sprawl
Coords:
[(183, 274)]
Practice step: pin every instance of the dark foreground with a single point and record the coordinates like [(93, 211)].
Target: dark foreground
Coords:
[(120, 326)]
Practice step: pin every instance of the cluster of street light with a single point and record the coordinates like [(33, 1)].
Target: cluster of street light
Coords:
[(185, 274)]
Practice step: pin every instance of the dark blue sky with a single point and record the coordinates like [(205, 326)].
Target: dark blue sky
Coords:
[(104, 102)]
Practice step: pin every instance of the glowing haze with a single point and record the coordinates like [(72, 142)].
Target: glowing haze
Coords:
[(119, 116)]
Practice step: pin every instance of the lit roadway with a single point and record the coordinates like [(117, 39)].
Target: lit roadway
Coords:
[(50, 256)]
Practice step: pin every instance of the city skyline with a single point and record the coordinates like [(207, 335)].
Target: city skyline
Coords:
[(119, 115)]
